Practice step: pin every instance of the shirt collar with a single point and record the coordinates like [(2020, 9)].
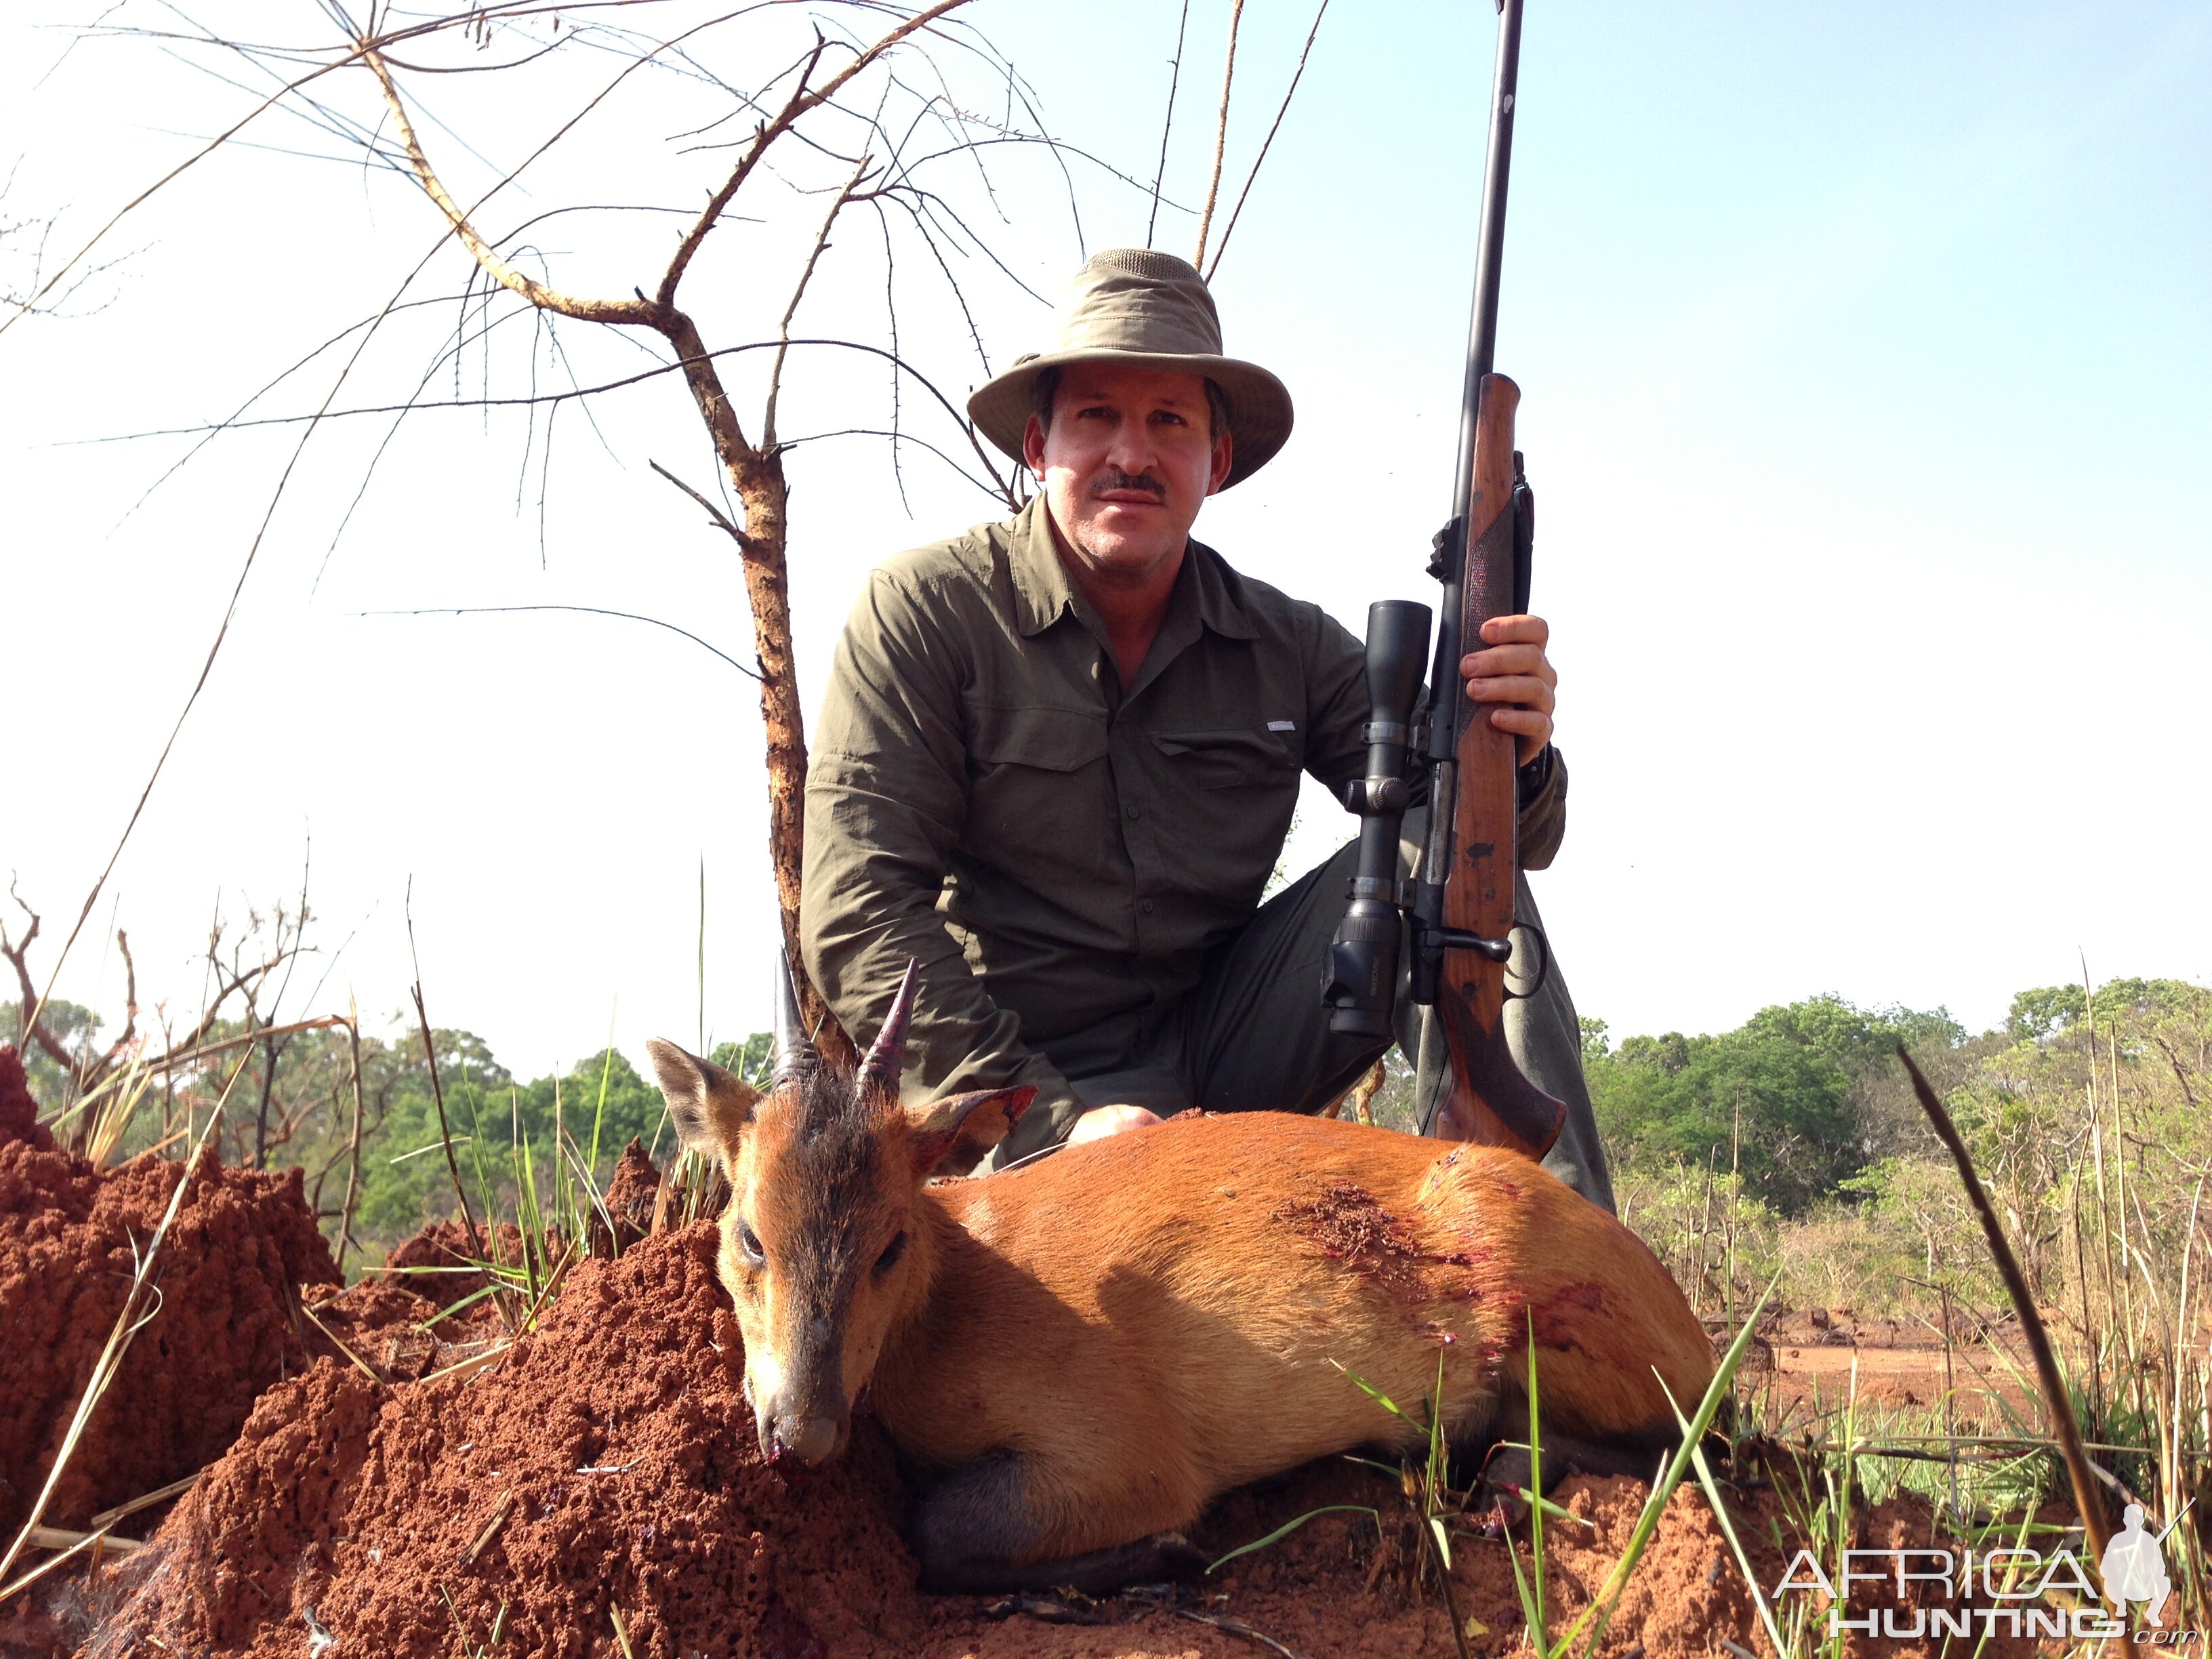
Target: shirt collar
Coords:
[(1044, 593)]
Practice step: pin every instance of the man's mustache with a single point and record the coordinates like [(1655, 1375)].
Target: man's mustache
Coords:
[(1117, 479)]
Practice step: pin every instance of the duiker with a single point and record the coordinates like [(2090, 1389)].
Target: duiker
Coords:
[(1078, 1355)]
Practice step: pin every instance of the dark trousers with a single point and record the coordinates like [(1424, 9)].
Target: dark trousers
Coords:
[(1252, 1035)]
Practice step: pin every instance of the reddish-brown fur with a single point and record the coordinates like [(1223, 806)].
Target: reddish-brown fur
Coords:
[(1181, 1299), (1087, 1350)]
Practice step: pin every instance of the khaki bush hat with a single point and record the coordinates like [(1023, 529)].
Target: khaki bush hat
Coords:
[(1131, 305)]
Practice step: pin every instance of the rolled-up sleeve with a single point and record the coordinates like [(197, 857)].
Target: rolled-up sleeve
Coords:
[(886, 799), (1543, 823)]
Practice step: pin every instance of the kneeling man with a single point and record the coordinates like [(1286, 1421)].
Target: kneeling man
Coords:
[(1059, 756)]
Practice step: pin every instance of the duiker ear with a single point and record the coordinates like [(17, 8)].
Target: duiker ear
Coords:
[(710, 1107), (957, 1131)]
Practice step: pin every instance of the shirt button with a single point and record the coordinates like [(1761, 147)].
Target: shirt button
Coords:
[(1146, 907), (1132, 813)]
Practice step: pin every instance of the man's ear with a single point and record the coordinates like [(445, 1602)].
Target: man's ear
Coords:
[(1225, 456), (956, 1132), (710, 1107)]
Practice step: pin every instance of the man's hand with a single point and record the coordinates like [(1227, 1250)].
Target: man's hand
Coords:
[(1102, 1121), (1513, 673)]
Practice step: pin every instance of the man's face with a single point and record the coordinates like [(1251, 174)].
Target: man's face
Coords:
[(1127, 463)]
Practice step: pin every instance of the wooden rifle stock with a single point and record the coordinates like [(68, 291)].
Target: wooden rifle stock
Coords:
[(1490, 1101)]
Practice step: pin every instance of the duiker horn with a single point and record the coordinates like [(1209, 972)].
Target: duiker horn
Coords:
[(795, 1052), (879, 1070)]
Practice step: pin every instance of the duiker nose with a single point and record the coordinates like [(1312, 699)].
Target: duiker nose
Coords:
[(809, 1439)]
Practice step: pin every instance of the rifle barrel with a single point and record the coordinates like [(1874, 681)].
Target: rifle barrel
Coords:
[(1489, 255)]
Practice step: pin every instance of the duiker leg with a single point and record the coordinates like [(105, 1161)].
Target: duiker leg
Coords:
[(978, 1521), (1506, 1471)]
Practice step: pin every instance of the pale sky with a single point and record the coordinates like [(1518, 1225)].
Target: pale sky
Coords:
[(1863, 354)]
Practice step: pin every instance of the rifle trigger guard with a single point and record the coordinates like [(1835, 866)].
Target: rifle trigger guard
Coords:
[(1543, 968)]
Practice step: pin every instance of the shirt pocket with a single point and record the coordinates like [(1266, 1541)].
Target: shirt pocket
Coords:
[(1039, 793), (1230, 757), (1044, 739)]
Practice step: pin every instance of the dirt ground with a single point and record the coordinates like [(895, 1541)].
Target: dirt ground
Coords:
[(1816, 1357), (375, 1489)]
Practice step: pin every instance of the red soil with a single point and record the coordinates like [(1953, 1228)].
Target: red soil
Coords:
[(437, 1259), (226, 1324), (635, 1485), (19, 1113)]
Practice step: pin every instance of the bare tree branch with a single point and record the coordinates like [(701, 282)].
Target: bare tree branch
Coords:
[(1167, 123), (799, 293), (1220, 134), (1230, 229), (801, 102), (639, 312), (29, 1027), (719, 519), (582, 609)]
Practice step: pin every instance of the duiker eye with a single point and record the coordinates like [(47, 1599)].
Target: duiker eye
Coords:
[(892, 1252), (749, 1241)]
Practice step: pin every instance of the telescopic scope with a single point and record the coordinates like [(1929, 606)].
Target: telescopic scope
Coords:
[(1359, 980)]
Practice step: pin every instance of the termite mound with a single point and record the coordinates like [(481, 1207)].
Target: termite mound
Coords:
[(606, 1464), (225, 1325)]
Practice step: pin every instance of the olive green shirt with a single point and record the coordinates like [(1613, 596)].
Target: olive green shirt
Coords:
[(1059, 852)]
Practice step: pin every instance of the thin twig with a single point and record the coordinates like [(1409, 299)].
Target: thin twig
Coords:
[(437, 1087), (62, 1538), (470, 1366), (498, 1515), (1167, 125), (720, 518), (1230, 229), (332, 1338), (1220, 135), (40, 1571), (353, 1141), (582, 609), (1222, 1621), (145, 1501), (2056, 1400), (799, 293)]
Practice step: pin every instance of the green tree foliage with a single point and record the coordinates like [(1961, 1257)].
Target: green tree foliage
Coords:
[(1781, 1097), (507, 1131), (2044, 1012), (2080, 1112), (75, 1027)]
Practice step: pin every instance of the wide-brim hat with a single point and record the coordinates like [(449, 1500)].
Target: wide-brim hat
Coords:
[(1150, 310)]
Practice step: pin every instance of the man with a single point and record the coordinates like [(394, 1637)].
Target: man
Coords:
[(1058, 756)]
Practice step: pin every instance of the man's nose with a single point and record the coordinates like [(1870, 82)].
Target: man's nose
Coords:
[(1133, 449)]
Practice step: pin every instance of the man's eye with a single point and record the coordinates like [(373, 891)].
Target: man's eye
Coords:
[(749, 1241)]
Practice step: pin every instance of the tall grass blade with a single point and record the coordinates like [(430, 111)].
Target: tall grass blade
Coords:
[(2056, 1398), (1291, 1525)]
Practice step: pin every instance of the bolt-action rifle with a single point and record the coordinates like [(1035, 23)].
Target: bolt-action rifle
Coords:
[(1460, 905)]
